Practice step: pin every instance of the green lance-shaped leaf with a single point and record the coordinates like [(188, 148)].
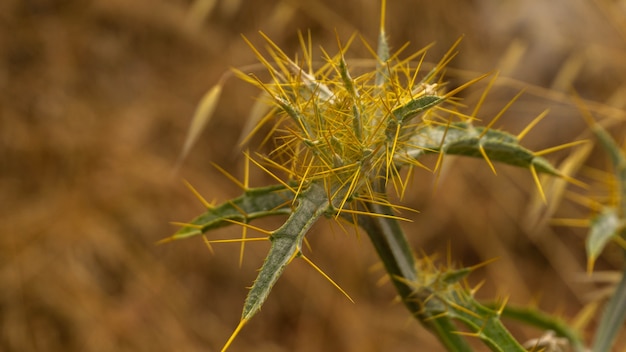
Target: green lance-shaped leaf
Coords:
[(414, 107), (253, 204), (403, 114), (602, 229), (462, 138), (286, 244)]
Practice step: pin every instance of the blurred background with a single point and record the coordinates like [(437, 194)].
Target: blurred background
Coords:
[(95, 101)]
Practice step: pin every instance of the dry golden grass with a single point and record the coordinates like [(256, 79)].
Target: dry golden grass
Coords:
[(95, 100)]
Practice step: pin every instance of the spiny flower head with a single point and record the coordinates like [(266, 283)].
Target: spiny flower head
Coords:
[(348, 130)]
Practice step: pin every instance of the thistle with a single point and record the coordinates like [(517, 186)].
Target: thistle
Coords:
[(342, 139)]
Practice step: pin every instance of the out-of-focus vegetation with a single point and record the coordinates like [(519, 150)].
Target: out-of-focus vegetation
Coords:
[(95, 101)]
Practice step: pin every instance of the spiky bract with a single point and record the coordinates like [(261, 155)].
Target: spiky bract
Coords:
[(347, 130)]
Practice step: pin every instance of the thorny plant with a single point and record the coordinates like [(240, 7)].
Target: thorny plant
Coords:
[(342, 141)]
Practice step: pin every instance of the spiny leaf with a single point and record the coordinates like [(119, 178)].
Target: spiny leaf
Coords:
[(452, 276), (461, 138), (603, 227), (286, 245), (253, 204), (455, 276), (414, 107)]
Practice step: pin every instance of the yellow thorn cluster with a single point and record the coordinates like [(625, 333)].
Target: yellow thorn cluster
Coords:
[(342, 129)]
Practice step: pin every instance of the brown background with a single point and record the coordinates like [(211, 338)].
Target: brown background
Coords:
[(95, 100)]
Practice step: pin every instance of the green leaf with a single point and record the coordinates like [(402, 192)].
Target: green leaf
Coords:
[(603, 227), (253, 204), (286, 245), (414, 107), (461, 138)]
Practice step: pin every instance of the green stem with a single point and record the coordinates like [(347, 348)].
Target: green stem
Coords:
[(534, 317), (394, 250)]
